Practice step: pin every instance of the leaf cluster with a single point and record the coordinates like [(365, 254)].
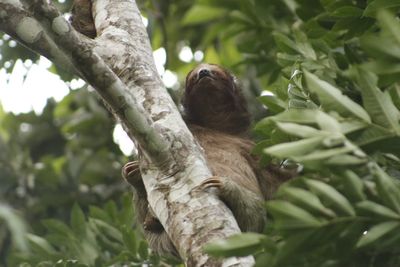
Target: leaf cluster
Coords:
[(335, 113)]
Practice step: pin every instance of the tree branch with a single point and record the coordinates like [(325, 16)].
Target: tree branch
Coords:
[(172, 164), (21, 26)]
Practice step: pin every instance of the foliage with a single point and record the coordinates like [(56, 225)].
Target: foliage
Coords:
[(336, 112), (103, 238), (333, 70)]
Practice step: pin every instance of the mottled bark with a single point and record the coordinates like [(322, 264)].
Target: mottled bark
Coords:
[(120, 66)]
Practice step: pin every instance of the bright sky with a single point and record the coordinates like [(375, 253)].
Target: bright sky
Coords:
[(19, 95)]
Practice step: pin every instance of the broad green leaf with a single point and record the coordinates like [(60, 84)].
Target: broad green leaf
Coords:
[(41, 244), (129, 238), (374, 6), (298, 104), (303, 116), (377, 232), (305, 199), (332, 98), (390, 24), (347, 11), (388, 188), (236, 245), (296, 148), (332, 195), (285, 44), (327, 122), (273, 103), (143, 250), (15, 225), (342, 160), (78, 222), (304, 45), (300, 130), (321, 156), (295, 92), (284, 59), (379, 105), (296, 116), (107, 229), (376, 209), (373, 133), (384, 48), (294, 243), (395, 94), (58, 227), (201, 13), (353, 185), (382, 67), (349, 126), (295, 217), (97, 213)]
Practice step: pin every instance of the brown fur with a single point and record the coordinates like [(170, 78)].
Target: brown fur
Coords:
[(215, 101), (82, 19), (217, 115)]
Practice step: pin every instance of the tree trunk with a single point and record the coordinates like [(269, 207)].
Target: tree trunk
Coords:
[(120, 66)]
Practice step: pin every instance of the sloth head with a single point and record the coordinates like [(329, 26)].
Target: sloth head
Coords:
[(214, 100)]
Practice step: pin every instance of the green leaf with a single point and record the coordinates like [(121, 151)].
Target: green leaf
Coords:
[(351, 125), (273, 103), (129, 238), (332, 98), (292, 245), (342, 160), (304, 45), (143, 250), (15, 225), (78, 222), (374, 6), (373, 133), (379, 105), (353, 185), (58, 227), (296, 116), (389, 23), (347, 11), (295, 217), (201, 13), (298, 104), (383, 48), (327, 122), (332, 195), (296, 148), (376, 209), (295, 93), (107, 229), (42, 246), (377, 232), (305, 199), (300, 130), (328, 156), (237, 245), (285, 44), (388, 188)]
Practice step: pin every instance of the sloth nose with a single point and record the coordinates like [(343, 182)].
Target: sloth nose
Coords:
[(204, 73)]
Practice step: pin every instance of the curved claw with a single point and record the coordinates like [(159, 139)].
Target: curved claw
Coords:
[(212, 182), (131, 173)]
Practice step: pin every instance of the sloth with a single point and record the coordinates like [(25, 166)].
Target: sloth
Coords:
[(216, 113), (217, 116)]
